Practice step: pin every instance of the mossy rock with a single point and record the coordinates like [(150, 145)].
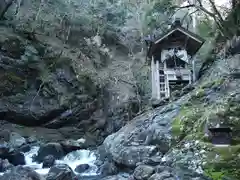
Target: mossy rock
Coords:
[(210, 84), (177, 128), (185, 121), (13, 47), (223, 162), (200, 93), (11, 83), (198, 96)]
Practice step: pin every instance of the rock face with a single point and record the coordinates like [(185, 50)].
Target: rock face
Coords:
[(145, 137), (20, 173), (176, 135), (44, 85)]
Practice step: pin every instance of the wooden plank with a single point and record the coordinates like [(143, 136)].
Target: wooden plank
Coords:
[(153, 78)]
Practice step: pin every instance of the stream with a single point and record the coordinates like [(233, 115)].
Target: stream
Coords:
[(72, 159)]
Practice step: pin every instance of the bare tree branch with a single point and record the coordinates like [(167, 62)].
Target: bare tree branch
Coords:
[(195, 6), (215, 14), (216, 11)]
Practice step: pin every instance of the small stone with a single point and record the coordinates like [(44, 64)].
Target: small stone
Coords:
[(81, 168), (48, 161), (16, 140)]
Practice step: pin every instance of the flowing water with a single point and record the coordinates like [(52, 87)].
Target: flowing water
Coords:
[(73, 159)]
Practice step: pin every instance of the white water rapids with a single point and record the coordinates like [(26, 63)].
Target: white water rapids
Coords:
[(73, 159)]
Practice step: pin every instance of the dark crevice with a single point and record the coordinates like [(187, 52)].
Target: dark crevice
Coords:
[(30, 121)]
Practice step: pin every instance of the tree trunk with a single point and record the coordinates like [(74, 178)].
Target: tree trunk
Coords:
[(234, 3), (4, 6), (235, 15)]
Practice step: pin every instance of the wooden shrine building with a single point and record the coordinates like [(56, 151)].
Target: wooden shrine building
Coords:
[(171, 57)]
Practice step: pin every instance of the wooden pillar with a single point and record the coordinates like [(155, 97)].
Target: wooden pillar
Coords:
[(194, 71), (153, 78), (190, 77), (157, 80), (166, 86)]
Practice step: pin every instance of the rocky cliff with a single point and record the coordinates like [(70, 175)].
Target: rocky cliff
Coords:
[(176, 135), (44, 86), (65, 89)]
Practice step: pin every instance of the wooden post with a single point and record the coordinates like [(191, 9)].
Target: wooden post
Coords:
[(153, 78), (167, 93), (157, 80), (190, 77), (193, 69)]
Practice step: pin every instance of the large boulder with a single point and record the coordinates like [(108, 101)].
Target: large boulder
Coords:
[(5, 165), (21, 173), (145, 137), (60, 172), (54, 149), (15, 157)]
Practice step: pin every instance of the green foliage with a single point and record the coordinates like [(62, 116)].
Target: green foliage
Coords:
[(226, 165), (157, 15), (177, 128), (199, 94), (210, 84), (122, 20), (205, 28), (188, 121), (213, 174), (232, 23)]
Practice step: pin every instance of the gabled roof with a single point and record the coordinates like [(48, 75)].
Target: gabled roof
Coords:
[(194, 40), (182, 30)]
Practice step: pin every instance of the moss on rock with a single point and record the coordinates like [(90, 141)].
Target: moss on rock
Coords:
[(210, 84), (11, 83), (184, 123), (176, 127), (223, 162)]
